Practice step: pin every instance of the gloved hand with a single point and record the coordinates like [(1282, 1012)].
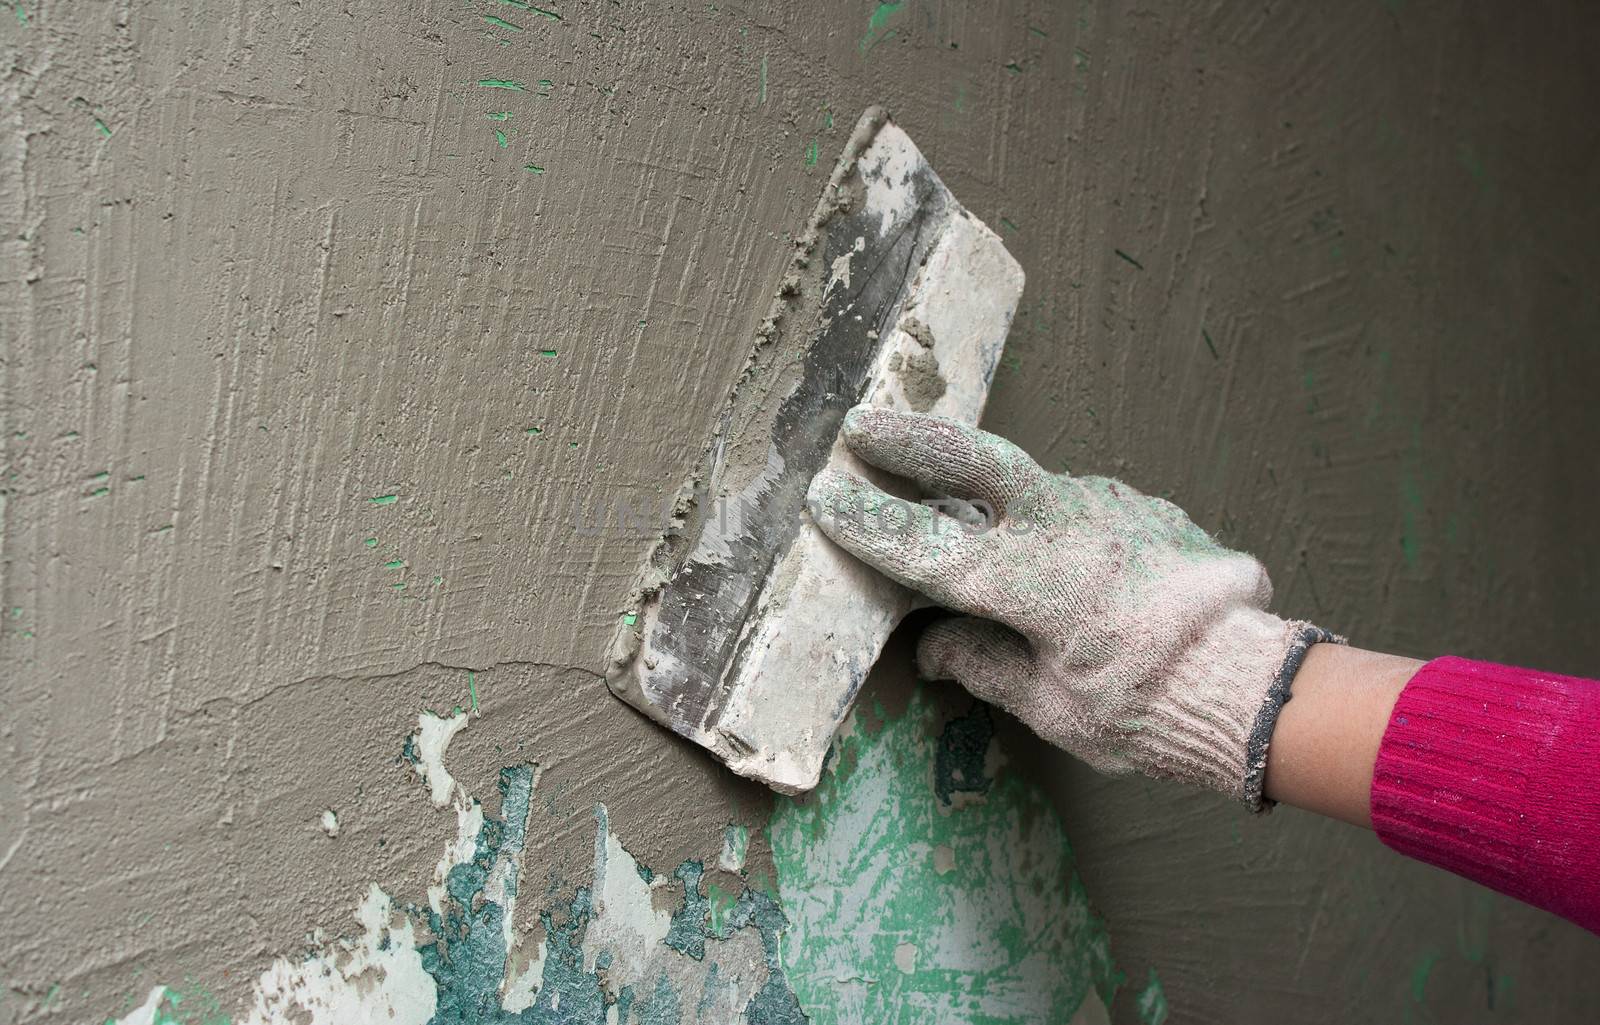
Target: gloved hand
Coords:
[(1103, 618)]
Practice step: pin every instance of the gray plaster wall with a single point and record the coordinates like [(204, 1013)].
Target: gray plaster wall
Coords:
[(311, 379)]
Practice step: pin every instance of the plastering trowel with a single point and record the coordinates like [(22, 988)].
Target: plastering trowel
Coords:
[(751, 633)]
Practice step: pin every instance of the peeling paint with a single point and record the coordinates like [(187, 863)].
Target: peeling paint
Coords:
[(905, 907)]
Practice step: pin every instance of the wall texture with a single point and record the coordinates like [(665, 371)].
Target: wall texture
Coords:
[(339, 336)]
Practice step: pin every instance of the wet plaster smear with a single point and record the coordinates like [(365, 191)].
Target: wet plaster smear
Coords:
[(353, 353)]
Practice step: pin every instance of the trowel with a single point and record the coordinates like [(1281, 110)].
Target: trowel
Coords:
[(748, 631)]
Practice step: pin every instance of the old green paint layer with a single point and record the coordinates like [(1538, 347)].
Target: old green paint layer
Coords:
[(905, 907)]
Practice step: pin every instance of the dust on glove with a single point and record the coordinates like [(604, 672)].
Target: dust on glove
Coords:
[(1101, 617)]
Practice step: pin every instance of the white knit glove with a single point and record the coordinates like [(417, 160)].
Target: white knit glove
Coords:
[(1101, 617)]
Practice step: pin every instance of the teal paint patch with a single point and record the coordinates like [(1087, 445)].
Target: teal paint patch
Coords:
[(502, 23), (502, 83), (903, 908), (534, 169), (963, 749), (384, 499), (690, 925), (103, 128), (1152, 1002), (469, 956), (661, 1007), (467, 959), (21, 13)]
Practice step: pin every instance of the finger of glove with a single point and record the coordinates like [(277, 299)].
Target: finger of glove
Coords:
[(906, 541), (992, 661), (944, 455)]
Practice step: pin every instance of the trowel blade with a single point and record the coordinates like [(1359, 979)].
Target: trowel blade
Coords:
[(751, 633)]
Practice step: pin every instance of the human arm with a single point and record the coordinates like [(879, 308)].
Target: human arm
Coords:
[(1116, 629), (1328, 734)]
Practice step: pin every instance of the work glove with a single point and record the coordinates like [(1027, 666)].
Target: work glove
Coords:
[(1101, 617)]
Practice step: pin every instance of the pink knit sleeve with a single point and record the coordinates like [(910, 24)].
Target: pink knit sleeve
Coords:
[(1494, 773)]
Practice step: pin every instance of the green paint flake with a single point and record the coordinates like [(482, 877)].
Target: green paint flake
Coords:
[(1013, 67), (532, 430), (1410, 517), (472, 688), (523, 5), (196, 1007), (735, 845), (502, 83), (395, 564), (1419, 976), (1412, 501), (500, 137), (812, 152), (99, 492), (371, 542), (533, 168), (1010, 225), (1474, 164), (720, 905), (501, 23), (1152, 1002), (548, 353), (1128, 258), (1207, 336), (498, 115), (22, 15), (876, 22), (384, 499), (102, 128), (631, 618), (902, 908)]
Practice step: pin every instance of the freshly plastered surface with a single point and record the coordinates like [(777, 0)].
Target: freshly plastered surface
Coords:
[(324, 408)]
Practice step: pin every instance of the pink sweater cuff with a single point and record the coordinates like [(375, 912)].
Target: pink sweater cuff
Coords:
[(1494, 773)]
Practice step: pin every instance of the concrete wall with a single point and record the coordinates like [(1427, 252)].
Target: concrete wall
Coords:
[(328, 326)]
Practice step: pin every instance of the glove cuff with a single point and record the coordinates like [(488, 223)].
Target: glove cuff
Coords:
[(1224, 694)]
